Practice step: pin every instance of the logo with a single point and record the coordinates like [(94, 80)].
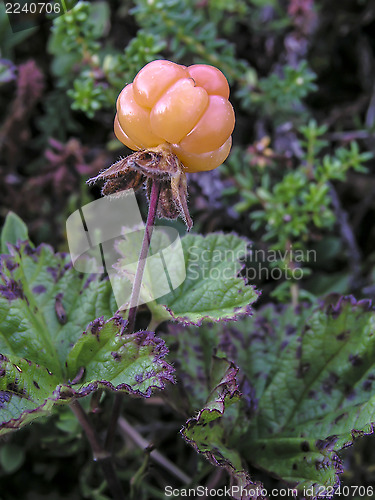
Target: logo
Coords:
[(106, 236)]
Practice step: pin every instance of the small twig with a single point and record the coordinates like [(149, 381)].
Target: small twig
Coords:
[(134, 299), (128, 430), (100, 454), (350, 135)]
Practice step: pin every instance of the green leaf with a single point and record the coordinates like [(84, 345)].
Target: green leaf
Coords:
[(213, 289), (307, 376), (47, 354), (8, 39), (113, 359), (45, 305), (209, 383), (206, 432), (99, 18), (311, 372), (12, 457), (7, 71), (14, 230), (192, 357), (27, 391)]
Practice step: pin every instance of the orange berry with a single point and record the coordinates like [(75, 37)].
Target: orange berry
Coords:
[(186, 107), (178, 110), (204, 161), (210, 78), (122, 137), (155, 79), (135, 120), (213, 129)]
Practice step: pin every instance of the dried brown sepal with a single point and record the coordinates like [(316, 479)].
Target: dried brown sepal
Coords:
[(130, 180), (166, 206), (145, 166), (158, 163), (179, 196), (119, 177)]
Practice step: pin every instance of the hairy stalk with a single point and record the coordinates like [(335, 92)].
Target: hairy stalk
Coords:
[(154, 198), (100, 455)]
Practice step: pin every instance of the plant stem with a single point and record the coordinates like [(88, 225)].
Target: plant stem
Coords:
[(111, 432), (100, 454), (154, 198), (128, 430)]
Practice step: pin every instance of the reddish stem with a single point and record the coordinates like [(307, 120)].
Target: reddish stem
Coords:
[(154, 198)]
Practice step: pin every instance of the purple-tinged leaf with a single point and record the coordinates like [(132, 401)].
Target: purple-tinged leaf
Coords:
[(110, 358), (307, 378), (48, 354), (312, 374), (207, 434)]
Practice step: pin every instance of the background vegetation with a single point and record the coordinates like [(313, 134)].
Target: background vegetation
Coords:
[(301, 176)]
